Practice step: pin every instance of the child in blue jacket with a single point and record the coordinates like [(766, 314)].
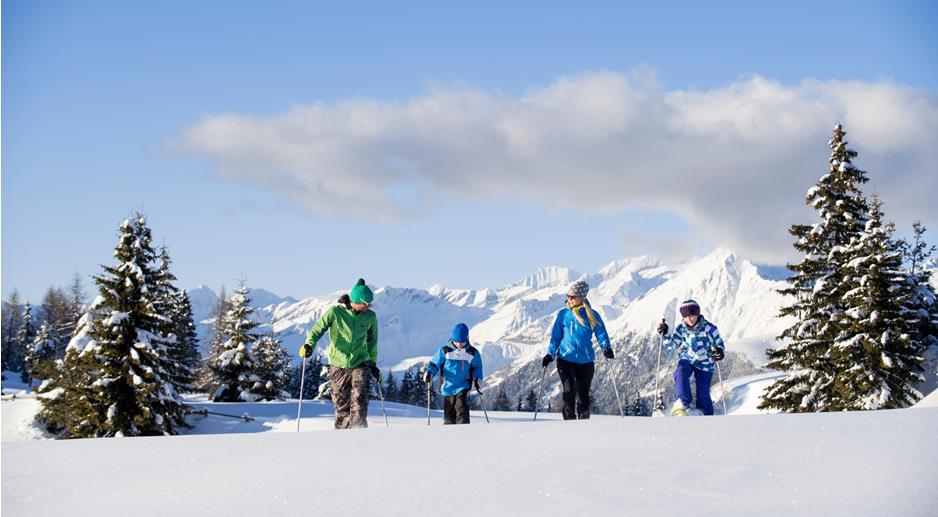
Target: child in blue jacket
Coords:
[(460, 365), (699, 347)]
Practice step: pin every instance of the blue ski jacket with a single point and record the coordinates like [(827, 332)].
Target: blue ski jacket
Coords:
[(573, 341), (458, 366), (694, 343)]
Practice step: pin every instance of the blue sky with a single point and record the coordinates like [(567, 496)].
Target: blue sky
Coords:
[(110, 107)]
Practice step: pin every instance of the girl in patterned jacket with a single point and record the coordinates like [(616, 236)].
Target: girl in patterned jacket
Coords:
[(699, 346)]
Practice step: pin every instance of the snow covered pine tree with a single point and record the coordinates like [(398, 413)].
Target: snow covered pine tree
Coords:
[(111, 381), (234, 369), (877, 349), (825, 287)]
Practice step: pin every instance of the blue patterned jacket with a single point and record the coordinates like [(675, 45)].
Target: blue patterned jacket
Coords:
[(693, 344), (458, 366)]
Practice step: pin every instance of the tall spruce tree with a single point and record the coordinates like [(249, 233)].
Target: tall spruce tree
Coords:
[(60, 316), (11, 325), (24, 339), (181, 358), (391, 391), (66, 393), (877, 352), (38, 355), (918, 255), (234, 369), (116, 379), (186, 350), (818, 288), (406, 393), (273, 365), (205, 378)]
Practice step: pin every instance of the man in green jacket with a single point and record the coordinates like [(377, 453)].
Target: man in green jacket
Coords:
[(353, 354)]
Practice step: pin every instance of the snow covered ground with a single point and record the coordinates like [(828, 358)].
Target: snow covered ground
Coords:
[(862, 463), (873, 463), (930, 401), (743, 394)]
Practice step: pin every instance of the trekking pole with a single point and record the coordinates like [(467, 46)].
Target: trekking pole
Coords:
[(299, 403), (658, 374), (615, 386), (381, 398), (482, 399), (540, 391), (722, 390), (429, 387)]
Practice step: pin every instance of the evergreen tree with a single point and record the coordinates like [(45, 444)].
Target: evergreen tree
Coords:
[(530, 401), (182, 354), (273, 364), (77, 299), (24, 339), (879, 359), (59, 316), (818, 288), (391, 391), (639, 406), (501, 402), (205, 377), (233, 370), (185, 352), (313, 380), (11, 325), (66, 396), (918, 254), (406, 394), (114, 385), (419, 389), (39, 353)]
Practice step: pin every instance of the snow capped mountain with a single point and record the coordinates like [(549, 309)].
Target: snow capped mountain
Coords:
[(512, 323), (731, 293)]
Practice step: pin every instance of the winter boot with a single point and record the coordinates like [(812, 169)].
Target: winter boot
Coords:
[(678, 408)]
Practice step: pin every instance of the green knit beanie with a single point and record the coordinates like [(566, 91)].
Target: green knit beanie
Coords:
[(361, 293)]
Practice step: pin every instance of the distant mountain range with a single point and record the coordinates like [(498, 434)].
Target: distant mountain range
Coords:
[(511, 324)]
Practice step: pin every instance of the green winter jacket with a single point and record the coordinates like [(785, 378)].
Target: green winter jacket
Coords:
[(353, 337)]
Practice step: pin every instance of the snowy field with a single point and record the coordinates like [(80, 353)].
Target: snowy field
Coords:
[(870, 463)]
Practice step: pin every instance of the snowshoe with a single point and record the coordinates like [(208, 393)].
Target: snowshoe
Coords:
[(678, 411)]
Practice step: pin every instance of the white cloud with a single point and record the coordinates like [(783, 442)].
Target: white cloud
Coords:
[(735, 162)]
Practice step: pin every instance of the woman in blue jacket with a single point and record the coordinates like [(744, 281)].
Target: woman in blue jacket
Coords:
[(460, 365), (571, 340)]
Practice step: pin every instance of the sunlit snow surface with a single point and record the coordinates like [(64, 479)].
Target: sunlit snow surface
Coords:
[(862, 463)]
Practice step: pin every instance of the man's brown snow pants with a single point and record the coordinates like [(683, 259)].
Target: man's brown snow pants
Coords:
[(350, 389)]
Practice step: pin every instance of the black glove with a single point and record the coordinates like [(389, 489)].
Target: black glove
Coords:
[(373, 368), (477, 385), (306, 351), (662, 328), (609, 353), (547, 360), (427, 377), (717, 353)]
